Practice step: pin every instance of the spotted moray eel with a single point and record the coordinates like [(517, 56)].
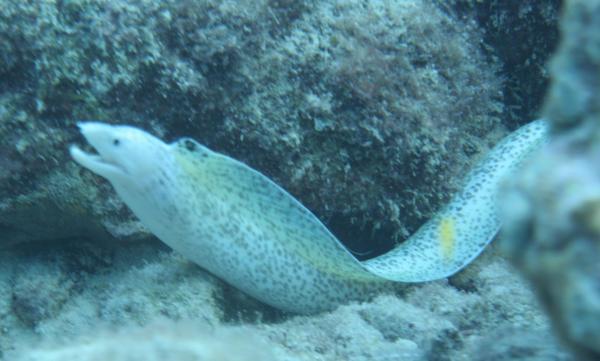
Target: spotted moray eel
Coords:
[(241, 226)]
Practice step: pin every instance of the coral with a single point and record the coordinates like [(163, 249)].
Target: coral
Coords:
[(552, 208)]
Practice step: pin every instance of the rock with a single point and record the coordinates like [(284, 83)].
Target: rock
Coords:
[(552, 208), (368, 112), (515, 344), (130, 289), (161, 341), (523, 35), (39, 292), (64, 293)]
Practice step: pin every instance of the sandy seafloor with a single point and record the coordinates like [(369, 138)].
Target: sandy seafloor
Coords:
[(325, 97)]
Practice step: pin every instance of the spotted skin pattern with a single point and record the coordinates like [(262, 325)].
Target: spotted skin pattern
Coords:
[(244, 228), (472, 216)]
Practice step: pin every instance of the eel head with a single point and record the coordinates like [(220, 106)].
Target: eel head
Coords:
[(125, 154)]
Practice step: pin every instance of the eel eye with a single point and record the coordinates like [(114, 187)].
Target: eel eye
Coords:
[(116, 142)]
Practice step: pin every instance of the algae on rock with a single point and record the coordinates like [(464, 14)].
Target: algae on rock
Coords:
[(363, 110), (522, 35)]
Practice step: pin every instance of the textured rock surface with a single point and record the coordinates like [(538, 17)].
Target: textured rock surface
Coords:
[(159, 302), (516, 344), (522, 35), (165, 341), (553, 208), (368, 112), (58, 294)]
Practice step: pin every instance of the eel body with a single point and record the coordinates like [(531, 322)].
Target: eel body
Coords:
[(244, 228)]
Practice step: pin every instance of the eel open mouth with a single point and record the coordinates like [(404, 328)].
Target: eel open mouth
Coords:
[(101, 137), (96, 163)]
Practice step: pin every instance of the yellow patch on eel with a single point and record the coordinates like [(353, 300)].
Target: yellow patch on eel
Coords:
[(447, 236)]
